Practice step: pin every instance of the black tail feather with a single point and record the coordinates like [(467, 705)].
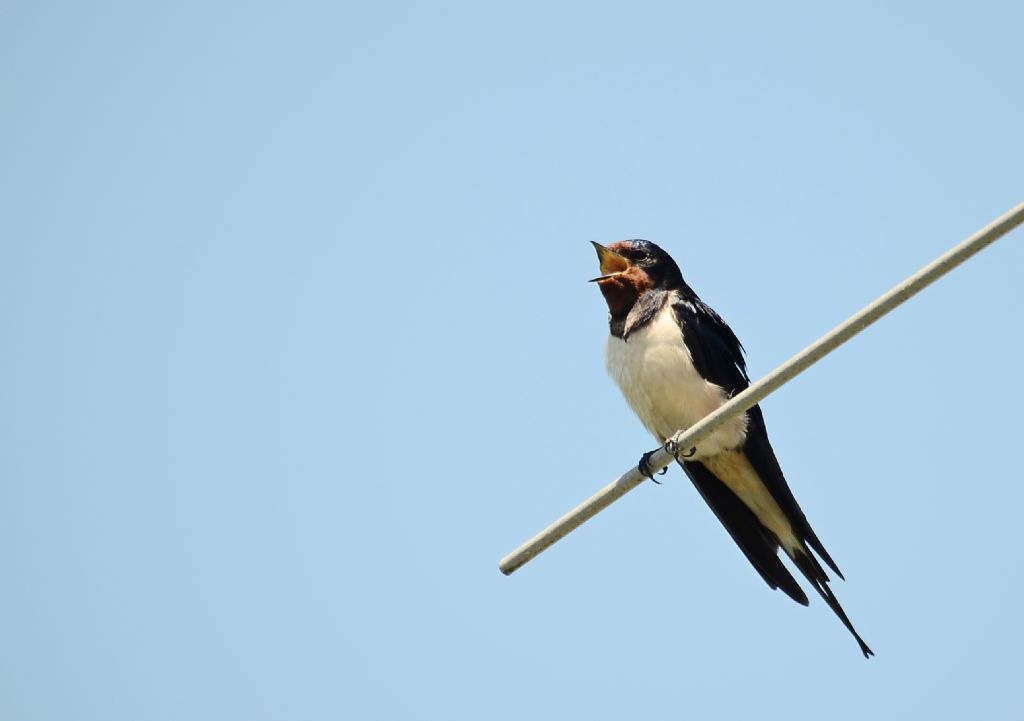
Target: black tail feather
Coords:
[(812, 539), (760, 545), (814, 573)]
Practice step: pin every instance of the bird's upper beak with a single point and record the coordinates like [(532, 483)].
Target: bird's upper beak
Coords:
[(611, 262)]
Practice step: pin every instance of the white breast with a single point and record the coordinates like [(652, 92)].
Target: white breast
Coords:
[(655, 372)]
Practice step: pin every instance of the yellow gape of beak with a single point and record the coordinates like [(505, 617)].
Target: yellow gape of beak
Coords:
[(612, 263)]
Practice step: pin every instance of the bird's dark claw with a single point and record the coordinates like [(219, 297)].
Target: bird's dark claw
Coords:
[(672, 447), (644, 466)]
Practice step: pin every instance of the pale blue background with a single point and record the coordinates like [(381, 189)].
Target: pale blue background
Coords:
[(297, 344)]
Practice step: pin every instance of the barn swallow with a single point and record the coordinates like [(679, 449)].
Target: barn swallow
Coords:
[(676, 360)]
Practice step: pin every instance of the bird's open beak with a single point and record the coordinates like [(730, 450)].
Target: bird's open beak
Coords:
[(612, 263)]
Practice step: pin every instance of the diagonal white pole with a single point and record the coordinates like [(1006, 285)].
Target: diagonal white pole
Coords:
[(754, 394)]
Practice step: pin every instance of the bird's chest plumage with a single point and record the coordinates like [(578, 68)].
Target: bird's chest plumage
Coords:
[(655, 372)]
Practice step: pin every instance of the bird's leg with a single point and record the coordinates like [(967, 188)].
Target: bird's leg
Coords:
[(644, 466)]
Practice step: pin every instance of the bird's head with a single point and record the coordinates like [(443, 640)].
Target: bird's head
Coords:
[(630, 268)]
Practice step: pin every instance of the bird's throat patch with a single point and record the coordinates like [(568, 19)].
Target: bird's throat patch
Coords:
[(622, 290)]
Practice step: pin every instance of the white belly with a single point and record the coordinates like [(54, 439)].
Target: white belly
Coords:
[(655, 372)]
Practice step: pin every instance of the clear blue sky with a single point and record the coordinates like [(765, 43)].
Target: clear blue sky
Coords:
[(297, 344)]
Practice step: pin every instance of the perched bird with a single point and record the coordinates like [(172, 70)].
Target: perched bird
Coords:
[(675, 361)]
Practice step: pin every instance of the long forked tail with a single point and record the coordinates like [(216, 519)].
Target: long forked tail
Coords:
[(814, 573)]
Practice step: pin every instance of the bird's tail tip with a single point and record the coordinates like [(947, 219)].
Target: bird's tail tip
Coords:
[(816, 575)]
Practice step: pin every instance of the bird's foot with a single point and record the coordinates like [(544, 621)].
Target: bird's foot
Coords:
[(644, 466), (672, 447)]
